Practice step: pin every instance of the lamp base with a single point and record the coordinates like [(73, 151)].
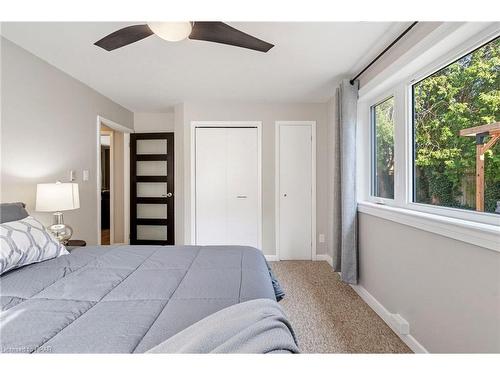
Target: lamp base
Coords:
[(59, 230)]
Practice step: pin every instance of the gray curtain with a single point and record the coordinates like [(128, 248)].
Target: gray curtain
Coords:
[(345, 240)]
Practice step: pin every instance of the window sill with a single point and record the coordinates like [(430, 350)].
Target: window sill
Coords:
[(483, 235)]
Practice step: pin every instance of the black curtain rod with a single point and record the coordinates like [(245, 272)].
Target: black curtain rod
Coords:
[(384, 51)]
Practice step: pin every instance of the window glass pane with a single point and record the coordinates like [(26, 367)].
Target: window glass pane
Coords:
[(383, 160), (151, 211), (151, 189), (151, 146), (151, 168), (152, 232), (463, 95)]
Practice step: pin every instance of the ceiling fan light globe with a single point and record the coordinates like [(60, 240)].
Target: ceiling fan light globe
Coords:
[(171, 31)]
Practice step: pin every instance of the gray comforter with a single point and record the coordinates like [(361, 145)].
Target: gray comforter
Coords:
[(125, 299), (257, 326)]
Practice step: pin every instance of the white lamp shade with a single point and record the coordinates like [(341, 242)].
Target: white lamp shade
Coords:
[(171, 31), (57, 197)]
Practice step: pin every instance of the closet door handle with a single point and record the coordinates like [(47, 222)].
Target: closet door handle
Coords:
[(241, 196)]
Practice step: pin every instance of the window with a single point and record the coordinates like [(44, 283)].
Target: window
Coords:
[(428, 126), (449, 151), (383, 148)]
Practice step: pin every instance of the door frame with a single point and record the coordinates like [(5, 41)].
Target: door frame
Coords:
[(225, 124), (278, 125), (126, 176), (111, 187)]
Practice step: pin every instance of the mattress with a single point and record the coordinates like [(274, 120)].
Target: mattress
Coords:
[(124, 299)]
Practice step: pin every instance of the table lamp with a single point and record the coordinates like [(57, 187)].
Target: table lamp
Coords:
[(57, 197)]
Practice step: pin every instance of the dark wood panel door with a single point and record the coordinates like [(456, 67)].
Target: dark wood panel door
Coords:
[(152, 189)]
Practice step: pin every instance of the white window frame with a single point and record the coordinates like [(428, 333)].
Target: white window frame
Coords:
[(482, 217), (480, 228), (373, 148)]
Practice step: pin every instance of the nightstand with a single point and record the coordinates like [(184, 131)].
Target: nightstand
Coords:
[(73, 244)]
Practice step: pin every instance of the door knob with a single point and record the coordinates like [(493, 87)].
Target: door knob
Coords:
[(169, 195)]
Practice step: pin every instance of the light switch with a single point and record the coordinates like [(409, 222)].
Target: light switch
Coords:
[(85, 175), (321, 238)]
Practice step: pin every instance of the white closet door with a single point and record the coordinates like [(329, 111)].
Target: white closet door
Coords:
[(242, 187), (211, 187), (227, 186), (295, 190)]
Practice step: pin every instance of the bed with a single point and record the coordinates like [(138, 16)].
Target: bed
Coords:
[(129, 299)]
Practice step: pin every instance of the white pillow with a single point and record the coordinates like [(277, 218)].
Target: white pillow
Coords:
[(26, 241)]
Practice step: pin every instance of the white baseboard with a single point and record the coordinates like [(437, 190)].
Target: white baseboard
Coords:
[(319, 257), (324, 257), (394, 321), (271, 258)]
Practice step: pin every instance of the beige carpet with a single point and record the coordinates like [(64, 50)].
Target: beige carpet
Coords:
[(327, 315)]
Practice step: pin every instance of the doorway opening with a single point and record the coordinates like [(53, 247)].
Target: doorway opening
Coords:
[(106, 178), (113, 158)]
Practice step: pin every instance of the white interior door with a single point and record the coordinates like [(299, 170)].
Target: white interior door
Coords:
[(242, 187), (211, 187), (227, 186), (295, 192)]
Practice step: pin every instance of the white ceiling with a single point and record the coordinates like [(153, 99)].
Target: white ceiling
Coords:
[(152, 75)]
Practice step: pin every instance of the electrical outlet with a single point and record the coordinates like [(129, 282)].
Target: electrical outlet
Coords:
[(321, 238)]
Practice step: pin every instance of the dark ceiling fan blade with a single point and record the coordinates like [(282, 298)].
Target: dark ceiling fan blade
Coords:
[(123, 37), (220, 32)]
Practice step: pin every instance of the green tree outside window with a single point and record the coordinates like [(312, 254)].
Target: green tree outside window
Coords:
[(464, 94)]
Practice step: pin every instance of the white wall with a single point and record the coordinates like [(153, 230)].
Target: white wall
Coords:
[(413, 37), (447, 290), (332, 229), (179, 173), (154, 122), (268, 113), (49, 126)]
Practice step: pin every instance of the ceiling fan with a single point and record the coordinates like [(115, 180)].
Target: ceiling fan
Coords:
[(218, 32)]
